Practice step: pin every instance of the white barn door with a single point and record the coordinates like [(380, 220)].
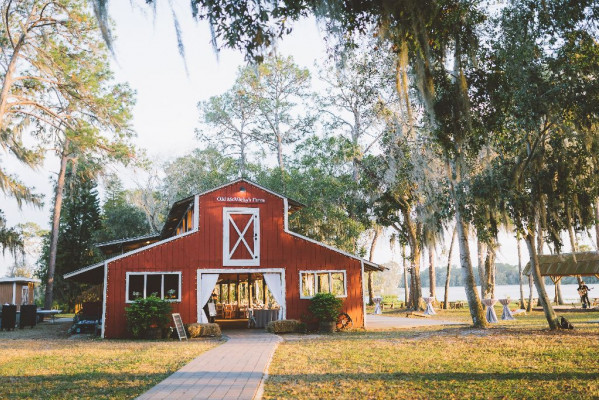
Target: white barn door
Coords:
[(241, 236)]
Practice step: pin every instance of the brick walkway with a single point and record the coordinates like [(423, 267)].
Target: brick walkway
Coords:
[(233, 370)]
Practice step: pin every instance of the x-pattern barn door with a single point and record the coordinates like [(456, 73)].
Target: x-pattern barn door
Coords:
[(241, 236)]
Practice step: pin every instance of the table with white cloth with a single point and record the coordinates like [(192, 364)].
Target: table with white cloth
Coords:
[(491, 316), (377, 304), (429, 306), (263, 317), (506, 314)]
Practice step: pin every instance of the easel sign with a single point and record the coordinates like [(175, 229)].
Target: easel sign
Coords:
[(212, 309), (179, 326)]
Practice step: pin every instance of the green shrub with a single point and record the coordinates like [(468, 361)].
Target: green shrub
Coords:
[(325, 306), (146, 314), (286, 326), (203, 330)]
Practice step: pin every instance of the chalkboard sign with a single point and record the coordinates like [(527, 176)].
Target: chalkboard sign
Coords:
[(179, 326), (212, 309)]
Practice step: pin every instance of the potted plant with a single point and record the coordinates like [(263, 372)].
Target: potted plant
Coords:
[(148, 318), (326, 308)]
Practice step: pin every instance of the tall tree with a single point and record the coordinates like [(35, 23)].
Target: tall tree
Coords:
[(80, 222), (120, 218), (319, 175), (448, 277), (67, 90), (279, 90), (228, 123), (197, 172), (358, 92), (548, 106)]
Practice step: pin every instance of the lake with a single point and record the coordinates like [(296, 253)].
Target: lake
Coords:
[(456, 293)]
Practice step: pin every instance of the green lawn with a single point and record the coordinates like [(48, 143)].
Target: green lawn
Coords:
[(45, 363), (518, 359)]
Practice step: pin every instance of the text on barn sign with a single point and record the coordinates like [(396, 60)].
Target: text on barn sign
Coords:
[(241, 199)]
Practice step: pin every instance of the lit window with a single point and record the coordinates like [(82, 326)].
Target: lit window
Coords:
[(160, 284), (313, 282), (186, 223)]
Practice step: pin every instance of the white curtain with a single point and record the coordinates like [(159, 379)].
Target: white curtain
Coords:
[(273, 281), (207, 284)]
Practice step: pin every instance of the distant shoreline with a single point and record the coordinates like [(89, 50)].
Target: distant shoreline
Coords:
[(458, 293)]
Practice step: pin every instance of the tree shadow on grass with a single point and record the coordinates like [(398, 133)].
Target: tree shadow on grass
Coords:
[(84, 385)]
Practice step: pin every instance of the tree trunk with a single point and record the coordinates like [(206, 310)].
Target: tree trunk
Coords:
[(474, 303), (489, 281), (377, 232), (405, 276), (597, 223), (280, 155), (522, 303), (242, 157), (55, 225), (448, 278), (538, 280), (558, 293), (416, 286), (481, 252), (530, 282), (431, 272), (573, 243)]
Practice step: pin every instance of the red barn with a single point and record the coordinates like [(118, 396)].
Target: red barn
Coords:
[(232, 241)]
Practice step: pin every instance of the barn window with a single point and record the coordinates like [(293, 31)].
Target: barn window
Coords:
[(186, 223), (312, 282), (165, 285)]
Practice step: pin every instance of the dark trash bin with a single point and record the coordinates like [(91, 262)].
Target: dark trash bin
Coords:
[(28, 316), (9, 317)]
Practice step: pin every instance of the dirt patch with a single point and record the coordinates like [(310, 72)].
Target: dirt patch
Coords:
[(43, 330)]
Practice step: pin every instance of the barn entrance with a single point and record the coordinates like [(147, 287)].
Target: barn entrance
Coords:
[(244, 298)]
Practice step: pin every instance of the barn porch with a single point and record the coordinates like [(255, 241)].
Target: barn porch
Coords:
[(242, 299)]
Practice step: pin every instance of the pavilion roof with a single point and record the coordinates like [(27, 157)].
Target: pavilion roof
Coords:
[(568, 264)]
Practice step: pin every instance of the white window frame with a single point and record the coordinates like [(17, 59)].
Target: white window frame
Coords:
[(145, 275), (324, 271), (255, 217)]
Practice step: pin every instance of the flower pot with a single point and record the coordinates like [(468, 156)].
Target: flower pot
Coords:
[(153, 333), (327, 326)]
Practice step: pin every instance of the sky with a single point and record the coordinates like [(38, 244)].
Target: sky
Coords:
[(168, 89)]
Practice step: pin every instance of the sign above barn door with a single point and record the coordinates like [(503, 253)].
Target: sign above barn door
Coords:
[(241, 236)]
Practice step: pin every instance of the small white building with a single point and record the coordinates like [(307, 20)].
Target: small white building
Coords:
[(17, 290)]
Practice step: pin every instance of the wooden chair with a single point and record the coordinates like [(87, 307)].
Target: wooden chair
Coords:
[(228, 311), (219, 311)]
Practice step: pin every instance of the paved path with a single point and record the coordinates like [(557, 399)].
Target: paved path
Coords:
[(233, 370), (379, 322)]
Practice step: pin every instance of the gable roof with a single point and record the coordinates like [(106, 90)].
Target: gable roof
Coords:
[(180, 207), (178, 210)]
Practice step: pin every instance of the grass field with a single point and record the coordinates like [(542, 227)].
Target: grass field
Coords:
[(45, 363), (516, 359)]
